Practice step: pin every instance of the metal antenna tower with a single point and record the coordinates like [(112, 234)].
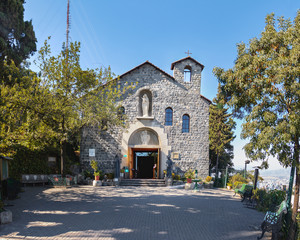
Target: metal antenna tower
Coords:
[(68, 24)]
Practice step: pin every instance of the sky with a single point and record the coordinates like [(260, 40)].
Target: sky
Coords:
[(125, 33)]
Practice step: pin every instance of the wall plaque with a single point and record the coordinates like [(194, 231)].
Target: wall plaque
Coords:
[(175, 155), (92, 152)]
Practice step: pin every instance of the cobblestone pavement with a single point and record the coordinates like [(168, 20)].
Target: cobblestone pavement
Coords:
[(130, 213)]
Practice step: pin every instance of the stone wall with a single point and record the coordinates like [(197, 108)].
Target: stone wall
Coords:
[(183, 98)]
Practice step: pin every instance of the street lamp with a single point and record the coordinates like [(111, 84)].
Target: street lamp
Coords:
[(246, 162)]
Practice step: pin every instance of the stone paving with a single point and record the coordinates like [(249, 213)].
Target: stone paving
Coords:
[(130, 213)]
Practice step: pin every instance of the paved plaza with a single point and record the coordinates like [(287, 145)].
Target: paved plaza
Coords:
[(130, 213)]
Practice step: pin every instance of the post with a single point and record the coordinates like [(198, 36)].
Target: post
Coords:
[(226, 177), (255, 177), (246, 162), (290, 191)]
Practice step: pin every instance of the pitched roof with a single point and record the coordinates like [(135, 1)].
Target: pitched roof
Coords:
[(147, 62), (190, 58), (206, 99)]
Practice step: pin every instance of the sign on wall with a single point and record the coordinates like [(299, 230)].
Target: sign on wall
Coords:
[(92, 152), (175, 155)]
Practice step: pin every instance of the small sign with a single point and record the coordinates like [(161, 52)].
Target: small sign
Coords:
[(51, 159), (125, 155), (92, 153), (175, 155)]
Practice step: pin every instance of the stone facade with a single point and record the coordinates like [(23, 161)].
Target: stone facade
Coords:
[(185, 149)]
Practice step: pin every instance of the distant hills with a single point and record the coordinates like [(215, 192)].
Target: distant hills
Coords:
[(284, 172)]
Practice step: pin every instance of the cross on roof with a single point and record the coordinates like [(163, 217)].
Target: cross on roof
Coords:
[(188, 53)]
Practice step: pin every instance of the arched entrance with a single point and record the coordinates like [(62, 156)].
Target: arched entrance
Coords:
[(144, 154)]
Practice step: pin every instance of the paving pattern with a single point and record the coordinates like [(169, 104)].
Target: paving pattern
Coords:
[(114, 213)]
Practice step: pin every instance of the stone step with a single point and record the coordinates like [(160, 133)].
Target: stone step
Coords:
[(143, 182)]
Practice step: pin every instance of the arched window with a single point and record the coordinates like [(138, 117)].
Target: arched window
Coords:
[(169, 117), (185, 123), (187, 73)]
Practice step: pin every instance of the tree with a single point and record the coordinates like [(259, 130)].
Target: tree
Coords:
[(264, 84), (17, 38), (221, 127), (66, 98)]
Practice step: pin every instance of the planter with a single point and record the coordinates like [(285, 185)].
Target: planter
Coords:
[(189, 180), (229, 187), (97, 178), (97, 183), (121, 175), (5, 217)]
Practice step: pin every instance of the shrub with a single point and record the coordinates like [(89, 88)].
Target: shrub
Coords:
[(1, 206), (110, 175), (237, 184), (239, 179), (190, 174), (267, 201), (208, 179), (94, 165), (177, 177)]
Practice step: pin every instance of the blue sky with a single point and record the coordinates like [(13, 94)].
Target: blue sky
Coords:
[(123, 34)]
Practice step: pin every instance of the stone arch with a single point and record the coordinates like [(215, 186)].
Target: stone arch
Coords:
[(144, 137), (154, 128)]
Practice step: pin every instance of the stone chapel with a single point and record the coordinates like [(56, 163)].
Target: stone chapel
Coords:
[(168, 124)]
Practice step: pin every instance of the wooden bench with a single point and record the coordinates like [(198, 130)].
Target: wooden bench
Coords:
[(273, 221), (245, 191), (34, 178)]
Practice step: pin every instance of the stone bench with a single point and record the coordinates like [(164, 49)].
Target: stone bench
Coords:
[(34, 178)]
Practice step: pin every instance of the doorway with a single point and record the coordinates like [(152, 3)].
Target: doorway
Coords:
[(145, 164)]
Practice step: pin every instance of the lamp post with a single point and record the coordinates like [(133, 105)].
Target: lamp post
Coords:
[(246, 162)]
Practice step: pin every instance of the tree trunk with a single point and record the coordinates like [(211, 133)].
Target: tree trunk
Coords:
[(292, 230), (62, 158), (217, 175)]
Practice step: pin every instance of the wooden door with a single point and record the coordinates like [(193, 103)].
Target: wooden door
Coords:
[(130, 161), (158, 163)]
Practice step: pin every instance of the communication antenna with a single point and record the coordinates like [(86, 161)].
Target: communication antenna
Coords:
[(68, 24)]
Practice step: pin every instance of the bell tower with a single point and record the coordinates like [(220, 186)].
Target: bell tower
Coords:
[(187, 71)]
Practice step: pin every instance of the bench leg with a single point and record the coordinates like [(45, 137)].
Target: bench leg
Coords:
[(263, 231)]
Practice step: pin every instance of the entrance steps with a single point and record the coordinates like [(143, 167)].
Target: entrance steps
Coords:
[(143, 182)]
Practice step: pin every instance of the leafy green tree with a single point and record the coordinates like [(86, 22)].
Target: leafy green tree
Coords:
[(17, 38), (221, 127), (66, 98), (263, 87)]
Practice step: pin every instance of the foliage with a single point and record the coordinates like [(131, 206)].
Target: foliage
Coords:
[(221, 127), (263, 87), (237, 180), (94, 165), (208, 179), (190, 174), (267, 201), (61, 100), (110, 175), (97, 173), (229, 184), (1, 206), (177, 177), (88, 174), (17, 38), (250, 176), (122, 170)]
